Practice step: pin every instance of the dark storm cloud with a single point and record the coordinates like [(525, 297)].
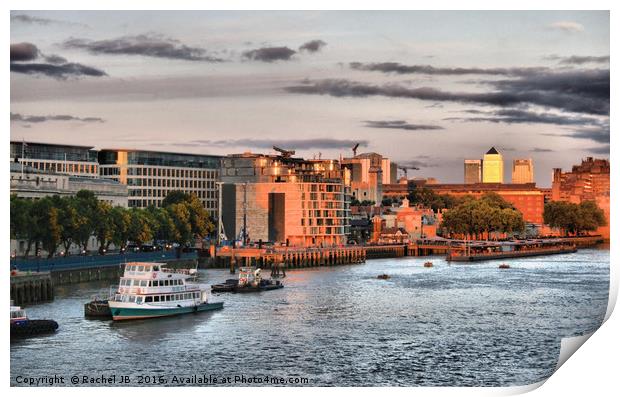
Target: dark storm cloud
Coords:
[(55, 59), (57, 71), (149, 45), (57, 66), (582, 91), (600, 135), (313, 46), (27, 19), (400, 125), (293, 144), (17, 117), (23, 52), (596, 134), (31, 20), (599, 150), (270, 54), (577, 59), (399, 68), (520, 116)]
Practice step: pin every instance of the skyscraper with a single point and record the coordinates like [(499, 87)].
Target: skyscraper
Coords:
[(522, 171), (493, 167), (473, 171)]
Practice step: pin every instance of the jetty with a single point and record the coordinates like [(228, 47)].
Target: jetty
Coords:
[(488, 250)]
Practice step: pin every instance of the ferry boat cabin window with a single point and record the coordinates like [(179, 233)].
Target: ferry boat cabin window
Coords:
[(139, 299), (148, 299), (155, 268), (167, 298), (143, 283), (140, 268), (132, 298), (156, 299)]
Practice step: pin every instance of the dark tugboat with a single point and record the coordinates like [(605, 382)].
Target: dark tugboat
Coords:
[(97, 308), (22, 326), (249, 281)]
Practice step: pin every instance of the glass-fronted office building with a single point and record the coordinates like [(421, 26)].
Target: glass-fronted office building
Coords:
[(64, 159), (151, 175)]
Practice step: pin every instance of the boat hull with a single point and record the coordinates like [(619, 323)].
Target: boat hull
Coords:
[(134, 313), (33, 328)]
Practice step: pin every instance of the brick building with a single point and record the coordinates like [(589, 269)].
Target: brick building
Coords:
[(588, 181)]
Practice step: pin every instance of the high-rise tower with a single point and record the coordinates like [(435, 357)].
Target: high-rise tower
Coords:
[(493, 167)]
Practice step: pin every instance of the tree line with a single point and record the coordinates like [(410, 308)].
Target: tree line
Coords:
[(573, 218), (478, 218), (54, 221)]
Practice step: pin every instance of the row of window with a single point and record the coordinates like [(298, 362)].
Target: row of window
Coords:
[(70, 168), (178, 183), (128, 282), (202, 194), (322, 214), (162, 172), (323, 230), (323, 196), (157, 298), (322, 222)]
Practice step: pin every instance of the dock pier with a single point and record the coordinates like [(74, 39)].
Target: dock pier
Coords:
[(29, 288), (288, 258)]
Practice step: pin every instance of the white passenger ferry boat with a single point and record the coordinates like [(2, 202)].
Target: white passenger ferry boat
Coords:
[(149, 290)]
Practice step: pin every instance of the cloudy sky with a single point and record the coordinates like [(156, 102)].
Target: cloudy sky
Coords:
[(425, 89)]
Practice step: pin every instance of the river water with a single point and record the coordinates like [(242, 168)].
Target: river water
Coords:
[(450, 325)]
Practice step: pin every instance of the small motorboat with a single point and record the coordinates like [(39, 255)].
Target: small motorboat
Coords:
[(249, 281), (383, 277), (22, 326), (227, 286), (504, 266), (428, 264)]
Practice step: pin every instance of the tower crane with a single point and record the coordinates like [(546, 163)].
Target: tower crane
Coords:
[(404, 169), (284, 153), (355, 149)]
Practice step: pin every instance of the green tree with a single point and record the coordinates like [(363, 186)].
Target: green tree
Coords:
[(21, 223), (86, 206), (165, 227), (175, 197), (201, 224), (69, 220), (45, 220), (573, 218), (102, 225), (181, 217), (120, 219), (140, 227), (590, 217), (482, 217)]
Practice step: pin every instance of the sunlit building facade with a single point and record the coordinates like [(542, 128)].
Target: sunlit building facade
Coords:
[(473, 171), (493, 167), (284, 200), (588, 181), (522, 171)]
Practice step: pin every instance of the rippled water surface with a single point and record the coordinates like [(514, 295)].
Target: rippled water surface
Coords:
[(446, 325)]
